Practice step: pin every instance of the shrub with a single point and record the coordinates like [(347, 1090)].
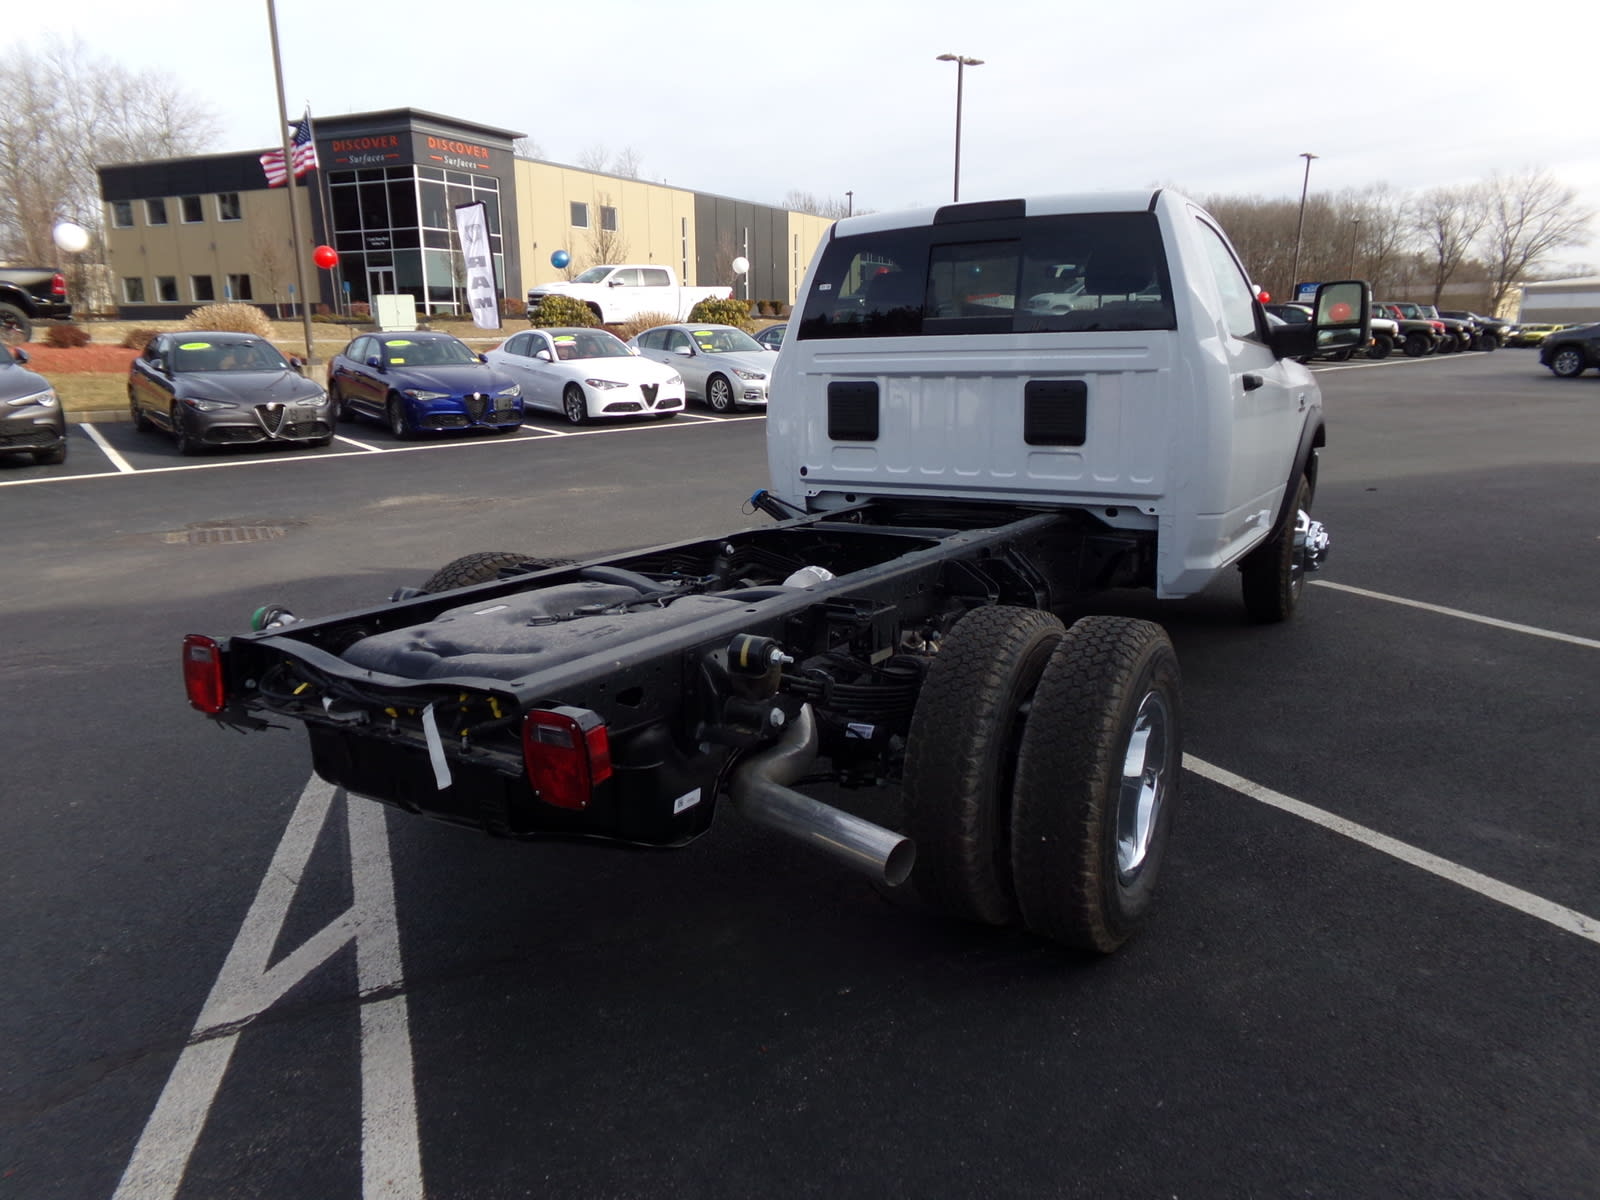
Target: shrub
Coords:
[(637, 325), (230, 318), (138, 339), (361, 309), (66, 337), (561, 310), (722, 312)]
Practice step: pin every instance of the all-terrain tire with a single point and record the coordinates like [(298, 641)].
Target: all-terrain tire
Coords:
[(15, 327), (1382, 346), (960, 754), (1272, 574), (483, 566), (1416, 345), (1098, 774)]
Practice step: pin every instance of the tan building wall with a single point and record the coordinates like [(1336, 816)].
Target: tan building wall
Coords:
[(805, 235), (257, 245)]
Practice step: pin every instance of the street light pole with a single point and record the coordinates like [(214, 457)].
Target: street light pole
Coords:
[(849, 204), (1355, 230), (962, 62), (1294, 271)]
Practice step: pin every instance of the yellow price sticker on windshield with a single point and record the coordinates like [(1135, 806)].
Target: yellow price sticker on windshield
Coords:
[(195, 346), (399, 342), (566, 337)]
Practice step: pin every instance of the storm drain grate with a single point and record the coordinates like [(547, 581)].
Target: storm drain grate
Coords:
[(225, 535)]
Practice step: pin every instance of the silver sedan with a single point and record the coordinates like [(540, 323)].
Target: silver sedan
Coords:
[(587, 373), (721, 365)]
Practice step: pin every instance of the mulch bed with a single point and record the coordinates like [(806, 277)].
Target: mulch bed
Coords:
[(80, 360)]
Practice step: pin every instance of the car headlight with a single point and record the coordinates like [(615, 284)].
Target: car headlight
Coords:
[(419, 394), (604, 385), (316, 401), (200, 405), (672, 379), (44, 399), (511, 392), (743, 374)]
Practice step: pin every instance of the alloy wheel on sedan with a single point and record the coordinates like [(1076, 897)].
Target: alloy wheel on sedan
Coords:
[(719, 394), (574, 405)]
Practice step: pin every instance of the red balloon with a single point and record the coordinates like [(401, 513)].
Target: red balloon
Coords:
[(1264, 296), (1339, 311), (325, 257)]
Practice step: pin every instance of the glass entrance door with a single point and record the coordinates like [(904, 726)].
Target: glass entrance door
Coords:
[(380, 281)]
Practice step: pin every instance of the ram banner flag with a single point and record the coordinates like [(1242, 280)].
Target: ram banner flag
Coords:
[(472, 227)]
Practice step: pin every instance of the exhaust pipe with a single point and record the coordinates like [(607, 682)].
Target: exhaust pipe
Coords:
[(760, 791)]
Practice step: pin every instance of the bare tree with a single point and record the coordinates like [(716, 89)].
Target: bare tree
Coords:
[(627, 163), (1447, 220), (272, 261), (796, 200), (606, 245), (1527, 217), (594, 158), (526, 147), (65, 114)]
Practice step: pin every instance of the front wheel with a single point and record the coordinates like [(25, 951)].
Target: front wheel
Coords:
[(341, 407), (1568, 362), (141, 422), (1274, 574), (1382, 346), (1489, 343), (719, 394), (1098, 773), (188, 444), (15, 327), (574, 405), (1417, 344), (398, 425)]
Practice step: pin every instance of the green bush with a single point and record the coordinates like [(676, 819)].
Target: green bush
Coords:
[(555, 311), (230, 318), (66, 337), (722, 312)]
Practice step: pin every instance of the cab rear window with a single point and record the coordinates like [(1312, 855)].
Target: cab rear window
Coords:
[(1092, 271)]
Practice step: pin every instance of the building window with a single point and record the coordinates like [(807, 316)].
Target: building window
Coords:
[(580, 215), (167, 289), (239, 287), (155, 212), (133, 290), (608, 218), (122, 214), (192, 210), (228, 206), (202, 288)]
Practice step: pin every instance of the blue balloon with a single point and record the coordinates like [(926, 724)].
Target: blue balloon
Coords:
[(560, 259)]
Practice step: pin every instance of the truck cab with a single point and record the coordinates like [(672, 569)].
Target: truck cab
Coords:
[(1159, 401)]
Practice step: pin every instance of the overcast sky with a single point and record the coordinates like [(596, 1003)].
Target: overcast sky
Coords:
[(754, 99)]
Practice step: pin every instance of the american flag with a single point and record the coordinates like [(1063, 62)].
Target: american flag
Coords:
[(305, 156)]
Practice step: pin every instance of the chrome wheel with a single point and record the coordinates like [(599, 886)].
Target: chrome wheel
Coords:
[(1144, 786)]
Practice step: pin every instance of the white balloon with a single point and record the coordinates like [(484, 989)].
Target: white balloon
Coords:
[(71, 237), (741, 265)]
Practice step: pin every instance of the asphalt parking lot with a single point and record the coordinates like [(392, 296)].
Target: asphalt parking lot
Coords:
[(1373, 972)]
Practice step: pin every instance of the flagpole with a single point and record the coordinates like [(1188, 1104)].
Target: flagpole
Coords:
[(321, 190), (288, 166)]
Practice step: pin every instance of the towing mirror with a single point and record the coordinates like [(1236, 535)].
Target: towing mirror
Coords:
[(1343, 315)]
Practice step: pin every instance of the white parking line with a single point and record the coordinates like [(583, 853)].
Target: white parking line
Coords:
[(1563, 918), (117, 461), (350, 441), (1571, 639)]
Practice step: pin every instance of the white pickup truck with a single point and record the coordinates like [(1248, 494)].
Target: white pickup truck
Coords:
[(619, 292), (954, 474)]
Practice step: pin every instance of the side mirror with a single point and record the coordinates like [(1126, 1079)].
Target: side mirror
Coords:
[(20, 354), (613, 283), (686, 351), (483, 358), (544, 356), (374, 362), (297, 364), (634, 350), (1343, 315)]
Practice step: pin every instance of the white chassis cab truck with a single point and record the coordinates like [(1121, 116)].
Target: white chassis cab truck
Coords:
[(954, 473)]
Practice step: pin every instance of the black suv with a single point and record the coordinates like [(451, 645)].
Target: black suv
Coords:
[(1570, 352), (1488, 333)]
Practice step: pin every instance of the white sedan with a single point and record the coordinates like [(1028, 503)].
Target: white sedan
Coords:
[(586, 373)]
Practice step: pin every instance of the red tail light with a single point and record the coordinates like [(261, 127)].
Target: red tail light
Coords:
[(202, 673), (58, 285), (567, 752)]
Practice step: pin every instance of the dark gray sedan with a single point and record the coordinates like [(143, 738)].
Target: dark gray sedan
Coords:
[(31, 419), (225, 389)]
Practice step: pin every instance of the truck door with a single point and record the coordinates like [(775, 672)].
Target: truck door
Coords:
[(1269, 397)]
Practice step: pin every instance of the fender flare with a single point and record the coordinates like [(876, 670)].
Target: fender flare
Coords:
[(1313, 437)]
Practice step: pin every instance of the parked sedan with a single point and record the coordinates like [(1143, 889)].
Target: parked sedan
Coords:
[(220, 389), (31, 420), (587, 373), (721, 365), (772, 336), (1572, 351), (422, 382), (1530, 335)]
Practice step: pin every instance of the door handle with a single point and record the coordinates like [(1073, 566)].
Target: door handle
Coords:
[(1252, 382)]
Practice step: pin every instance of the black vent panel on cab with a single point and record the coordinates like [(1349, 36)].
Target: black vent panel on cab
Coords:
[(853, 411), (1055, 412)]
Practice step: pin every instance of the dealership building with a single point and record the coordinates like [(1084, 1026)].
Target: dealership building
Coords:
[(187, 231)]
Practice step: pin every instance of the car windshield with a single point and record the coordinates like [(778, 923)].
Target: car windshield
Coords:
[(204, 355), (593, 275), (597, 344), (724, 341), (435, 352)]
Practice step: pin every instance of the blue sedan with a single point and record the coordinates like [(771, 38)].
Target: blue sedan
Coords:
[(422, 382)]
